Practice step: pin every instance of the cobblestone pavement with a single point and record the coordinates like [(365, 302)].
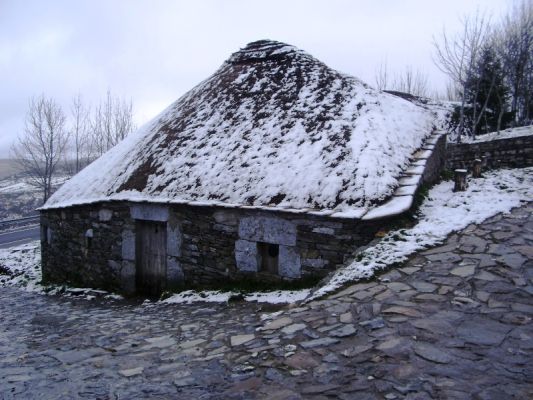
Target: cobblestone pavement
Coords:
[(453, 323)]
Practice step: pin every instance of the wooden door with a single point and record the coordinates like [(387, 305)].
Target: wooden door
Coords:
[(151, 257)]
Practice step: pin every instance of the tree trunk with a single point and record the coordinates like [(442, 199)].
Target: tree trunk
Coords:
[(460, 180)]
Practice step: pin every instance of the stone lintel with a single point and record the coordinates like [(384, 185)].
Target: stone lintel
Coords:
[(149, 212), (268, 229)]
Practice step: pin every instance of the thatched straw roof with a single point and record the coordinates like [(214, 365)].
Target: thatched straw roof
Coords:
[(273, 127)]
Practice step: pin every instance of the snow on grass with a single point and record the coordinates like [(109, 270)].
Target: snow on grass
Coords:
[(14, 185), (215, 296), (19, 198), (21, 267), (506, 134), (442, 213)]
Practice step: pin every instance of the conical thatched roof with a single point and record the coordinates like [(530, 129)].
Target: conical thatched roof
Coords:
[(272, 127)]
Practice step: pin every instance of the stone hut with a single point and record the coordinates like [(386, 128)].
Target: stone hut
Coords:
[(275, 167)]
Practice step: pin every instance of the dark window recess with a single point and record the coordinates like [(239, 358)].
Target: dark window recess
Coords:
[(268, 257)]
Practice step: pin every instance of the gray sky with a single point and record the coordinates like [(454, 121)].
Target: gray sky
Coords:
[(154, 51)]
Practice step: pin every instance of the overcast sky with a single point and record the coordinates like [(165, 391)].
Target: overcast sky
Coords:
[(154, 51)]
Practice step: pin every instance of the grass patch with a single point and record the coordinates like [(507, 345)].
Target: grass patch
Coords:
[(446, 175)]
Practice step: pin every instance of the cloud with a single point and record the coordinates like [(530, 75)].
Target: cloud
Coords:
[(154, 51)]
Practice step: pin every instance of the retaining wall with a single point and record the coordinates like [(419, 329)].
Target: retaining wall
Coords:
[(513, 152)]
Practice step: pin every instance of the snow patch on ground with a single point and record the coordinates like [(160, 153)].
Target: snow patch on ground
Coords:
[(21, 266), (19, 197), (273, 297), (24, 185)]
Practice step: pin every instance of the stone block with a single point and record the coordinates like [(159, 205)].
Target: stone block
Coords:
[(127, 277), (268, 229), (225, 228), (289, 262), (149, 212), (246, 258), (114, 266), (174, 272), (128, 245), (105, 215), (174, 241), (314, 262), (324, 230), (225, 217)]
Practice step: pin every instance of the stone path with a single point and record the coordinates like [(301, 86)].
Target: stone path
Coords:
[(452, 323)]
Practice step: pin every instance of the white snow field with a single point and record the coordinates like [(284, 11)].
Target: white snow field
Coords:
[(441, 213), (273, 127)]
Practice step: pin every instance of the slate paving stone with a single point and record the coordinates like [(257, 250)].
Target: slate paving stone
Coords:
[(449, 323), (344, 331), (482, 331), (310, 344), (513, 260), (447, 257), (424, 287), (375, 323), (440, 249), (431, 353)]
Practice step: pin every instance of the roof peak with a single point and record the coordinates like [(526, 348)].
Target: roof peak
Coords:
[(263, 50)]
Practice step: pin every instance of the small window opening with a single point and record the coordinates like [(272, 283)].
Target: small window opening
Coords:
[(268, 257)]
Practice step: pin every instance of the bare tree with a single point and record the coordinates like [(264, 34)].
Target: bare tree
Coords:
[(112, 121), (79, 133), (412, 82), (456, 56), (452, 92), (43, 144), (382, 76), (516, 51)]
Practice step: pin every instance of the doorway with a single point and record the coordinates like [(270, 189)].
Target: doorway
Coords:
[(151, 257)]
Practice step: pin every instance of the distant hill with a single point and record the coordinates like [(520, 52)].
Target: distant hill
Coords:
[(8, 167)]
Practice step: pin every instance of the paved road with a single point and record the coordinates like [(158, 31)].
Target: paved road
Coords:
[(19, 236), (454, 322)]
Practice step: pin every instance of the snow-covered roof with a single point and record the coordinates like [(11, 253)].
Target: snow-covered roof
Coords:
[(273, 127)]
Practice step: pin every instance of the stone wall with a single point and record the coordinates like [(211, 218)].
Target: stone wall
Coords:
[(94, 245), (514, 152), (83, 245), (435, 163)]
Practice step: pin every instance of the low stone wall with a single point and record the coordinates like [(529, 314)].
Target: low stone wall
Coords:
[(435, 163), (514, 152), (94, 245)]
